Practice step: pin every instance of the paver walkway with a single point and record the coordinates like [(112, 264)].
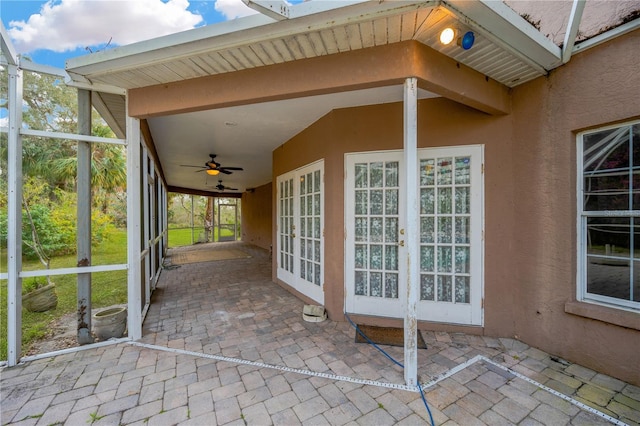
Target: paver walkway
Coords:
[(224, 345)]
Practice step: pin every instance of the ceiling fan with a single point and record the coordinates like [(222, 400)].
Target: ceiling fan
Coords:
[(212, 167), (221, 187)]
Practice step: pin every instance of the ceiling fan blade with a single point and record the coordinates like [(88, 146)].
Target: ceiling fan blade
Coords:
[(188, 165), (232, 168), (231, 189), (223, 170)]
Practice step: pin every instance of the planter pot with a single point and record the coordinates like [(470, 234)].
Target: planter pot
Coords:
[(41, 299), (111, 322)]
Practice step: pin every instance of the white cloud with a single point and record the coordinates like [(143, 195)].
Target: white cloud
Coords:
[(65, 25), (232, 9)]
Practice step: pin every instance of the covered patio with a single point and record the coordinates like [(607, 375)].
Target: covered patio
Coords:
[(234, 349)]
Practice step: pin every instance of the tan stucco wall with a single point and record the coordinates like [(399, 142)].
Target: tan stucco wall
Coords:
[(256, 216), (597, 88), (530, 199), (441, 123)]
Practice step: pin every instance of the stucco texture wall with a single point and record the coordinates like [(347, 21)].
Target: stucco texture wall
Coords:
[(256, 216), (598, 87), (379, 127)]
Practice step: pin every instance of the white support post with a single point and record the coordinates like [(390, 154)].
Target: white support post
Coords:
[(134, 232), (83, 239), (14, 217), (411, 231), (146, 224)]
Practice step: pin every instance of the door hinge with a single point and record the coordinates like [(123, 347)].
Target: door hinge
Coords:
[(482, 168)]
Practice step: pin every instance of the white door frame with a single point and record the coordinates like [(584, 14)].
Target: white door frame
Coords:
[(300, 230)]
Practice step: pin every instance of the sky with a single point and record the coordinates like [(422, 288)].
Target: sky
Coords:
[(50, 32)]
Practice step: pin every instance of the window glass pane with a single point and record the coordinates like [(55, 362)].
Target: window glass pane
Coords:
[(463, 201), (361, 283), (391, 230), (316, 251), (362, 198), (463, 175), (376, 201), (463, 230), (635, 190), (427, 201), (391, 258), (376, 178), (303, 185), (462, 260), (391, 201), (316, 275), (316, 204), (444, 259), (609, 277), (427, 230), (444, 201), (361, 256), (606, 170), (309, 183), (375, 260), (444, 229), (316, 181), (444, 288), (462, 289), (375, 231), (608, 236), (391, 285), (636, 282), (426, 287), (316, 227), (392, 173), (444, 171), (427, 169), (426, 259), (362, 175), (362, 226), (375, 284)]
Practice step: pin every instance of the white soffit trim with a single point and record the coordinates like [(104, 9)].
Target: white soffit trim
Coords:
[(505, 27), (238, 32)]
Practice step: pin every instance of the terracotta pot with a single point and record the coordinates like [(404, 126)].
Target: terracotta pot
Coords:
[(41, 299), (108, 323)]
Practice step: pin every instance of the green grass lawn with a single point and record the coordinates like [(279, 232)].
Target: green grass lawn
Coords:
[(108, 288), (182, 236)]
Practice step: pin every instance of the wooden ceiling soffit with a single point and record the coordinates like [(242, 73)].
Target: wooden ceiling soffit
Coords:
[(361, 69)]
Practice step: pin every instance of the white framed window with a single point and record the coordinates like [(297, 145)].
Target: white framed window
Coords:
[(609, 216)]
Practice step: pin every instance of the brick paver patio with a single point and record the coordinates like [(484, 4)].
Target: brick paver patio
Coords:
[(224, 345)]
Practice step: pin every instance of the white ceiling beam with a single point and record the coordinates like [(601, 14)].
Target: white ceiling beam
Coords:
[(278, 9), (7, 47), (572, 29)]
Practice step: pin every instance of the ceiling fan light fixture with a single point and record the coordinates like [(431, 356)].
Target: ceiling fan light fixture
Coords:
[(212, 172)]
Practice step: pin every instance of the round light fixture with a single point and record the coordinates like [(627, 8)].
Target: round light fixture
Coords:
[(212, 172), (447, 35)]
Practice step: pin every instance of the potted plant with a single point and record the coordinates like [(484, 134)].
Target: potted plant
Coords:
[(39, 295)]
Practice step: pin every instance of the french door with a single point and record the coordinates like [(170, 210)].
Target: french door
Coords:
[(300, 231), (450, 197)]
